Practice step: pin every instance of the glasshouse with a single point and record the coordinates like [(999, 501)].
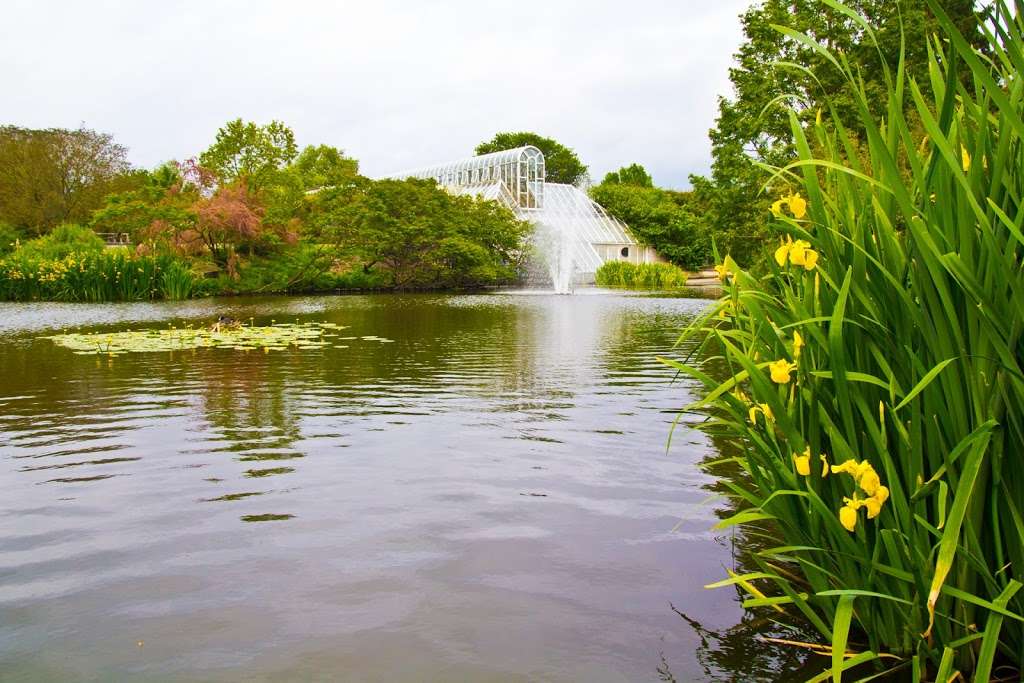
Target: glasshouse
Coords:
[(574, 234)]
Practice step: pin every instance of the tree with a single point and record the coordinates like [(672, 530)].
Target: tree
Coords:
[(421, 235), (54, 176), (250, 153), (315, 168), (229, 218), (753, 126), (561, 163), (323, 166), (660, 218), (634, 174), (159, 208)]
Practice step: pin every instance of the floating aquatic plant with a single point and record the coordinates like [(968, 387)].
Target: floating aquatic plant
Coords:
[(268, 338)]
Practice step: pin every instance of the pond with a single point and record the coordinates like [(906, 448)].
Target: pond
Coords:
[(458, 487)]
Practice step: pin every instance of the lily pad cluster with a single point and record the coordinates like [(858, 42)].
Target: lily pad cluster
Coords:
[(276, 337)]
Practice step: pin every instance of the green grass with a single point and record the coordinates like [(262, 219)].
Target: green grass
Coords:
[(911, 322), (640, 276)]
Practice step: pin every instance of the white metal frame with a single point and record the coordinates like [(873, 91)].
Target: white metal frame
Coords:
[(520, 170), (516, 178)]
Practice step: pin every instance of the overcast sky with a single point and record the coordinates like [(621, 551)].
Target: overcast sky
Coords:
[(395, 84)]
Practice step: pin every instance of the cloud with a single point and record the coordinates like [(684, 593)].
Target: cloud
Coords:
[(396, 84)]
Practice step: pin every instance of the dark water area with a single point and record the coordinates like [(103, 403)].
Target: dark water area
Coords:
[(480, 491)]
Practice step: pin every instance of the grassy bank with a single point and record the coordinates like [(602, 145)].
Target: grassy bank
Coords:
[(877, 385)]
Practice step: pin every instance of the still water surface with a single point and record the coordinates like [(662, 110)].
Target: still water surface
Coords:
[(482, 493)]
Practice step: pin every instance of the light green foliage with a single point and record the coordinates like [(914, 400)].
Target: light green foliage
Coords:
[(63, 241), (660, 218), (324, 166), (420, 235), (561, 163), (634, 174), (640, 276), (254, 154), (315, 168), (890, 332)]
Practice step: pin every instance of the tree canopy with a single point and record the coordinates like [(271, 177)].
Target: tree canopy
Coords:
[(54, 176), (560, 162), (421, 234), (245, 151), (663, 219), (634, 174), (753, 125)]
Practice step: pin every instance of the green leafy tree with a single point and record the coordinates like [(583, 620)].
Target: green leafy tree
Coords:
[(660, 218), (161, 206), (315, 168), (634, 174), (54, 176), (420, 235), (752, 127), (324, 166), (250, 153), (561, 163)]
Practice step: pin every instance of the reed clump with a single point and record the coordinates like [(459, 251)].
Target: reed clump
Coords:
[(106, 275), (876, 383), (640, 275)]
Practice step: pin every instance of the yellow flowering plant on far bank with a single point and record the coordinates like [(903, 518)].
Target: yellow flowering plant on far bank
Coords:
[(875, 375)]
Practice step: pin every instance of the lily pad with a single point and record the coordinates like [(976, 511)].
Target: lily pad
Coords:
[(243, 338)]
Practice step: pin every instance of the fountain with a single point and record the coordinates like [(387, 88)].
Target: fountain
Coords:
[(573, 234)]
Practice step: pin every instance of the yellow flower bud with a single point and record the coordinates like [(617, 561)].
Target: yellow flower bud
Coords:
[(782, 253), (798, 343), (803, 463), (798, 205)]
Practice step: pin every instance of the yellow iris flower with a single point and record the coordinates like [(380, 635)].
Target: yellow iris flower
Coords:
[(723, 272), (798, 253), (803, 463), (867, 479), (781, 370), (796, 204)]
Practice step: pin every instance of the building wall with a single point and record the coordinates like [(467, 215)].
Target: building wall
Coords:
[(637, 253)]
